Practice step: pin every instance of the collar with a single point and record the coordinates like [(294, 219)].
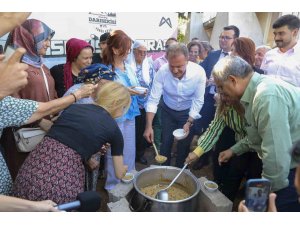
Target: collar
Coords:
[(295, 49), (250, 89), (225, 53)]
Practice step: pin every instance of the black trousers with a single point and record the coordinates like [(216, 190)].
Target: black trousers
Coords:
[(287, 198), (172, 120), (200, 125), (140, 142), (229, 175)]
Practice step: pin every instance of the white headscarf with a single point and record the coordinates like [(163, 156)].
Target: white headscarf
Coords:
[(145, 64)]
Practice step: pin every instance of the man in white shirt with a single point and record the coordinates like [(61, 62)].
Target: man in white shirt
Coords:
[(182, 84), (284, 61)]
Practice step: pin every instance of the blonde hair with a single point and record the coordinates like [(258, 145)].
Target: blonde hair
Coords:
[(112, 97)]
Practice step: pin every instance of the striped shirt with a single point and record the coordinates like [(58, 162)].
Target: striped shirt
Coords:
[(229, 118)]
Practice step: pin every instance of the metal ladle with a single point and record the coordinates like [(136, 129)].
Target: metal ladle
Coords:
[(163, 194), (159, 158)]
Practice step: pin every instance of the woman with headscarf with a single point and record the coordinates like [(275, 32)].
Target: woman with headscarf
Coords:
[(114, 55), (79, 55), (54, 169), (143, 68), (34, 36), (93, 74)]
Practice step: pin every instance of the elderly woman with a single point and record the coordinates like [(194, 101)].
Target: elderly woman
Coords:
[(114, 55), (195, 48), (143, 68), (79, 55), (95, 73), (34, 36), (207, 48), (54, 169)]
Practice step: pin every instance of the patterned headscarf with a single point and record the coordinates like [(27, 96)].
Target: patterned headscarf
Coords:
[(74, 47), (94, 73), (30, 35)]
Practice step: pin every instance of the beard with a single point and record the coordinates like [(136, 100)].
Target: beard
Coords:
[(279, 44), (282, 44)]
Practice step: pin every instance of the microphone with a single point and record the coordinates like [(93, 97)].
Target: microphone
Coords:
[(88, 201)]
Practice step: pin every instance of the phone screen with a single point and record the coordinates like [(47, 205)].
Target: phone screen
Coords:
[(257, 194), (8, 52)]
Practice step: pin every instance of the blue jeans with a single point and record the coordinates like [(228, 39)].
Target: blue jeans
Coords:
[(172, 120), (287, 198)]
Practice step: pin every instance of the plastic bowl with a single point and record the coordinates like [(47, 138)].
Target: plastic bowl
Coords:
[(140, 90), (128, 178), (210, 186), (179, 134)]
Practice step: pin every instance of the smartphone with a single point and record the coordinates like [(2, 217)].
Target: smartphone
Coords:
[(9, 51), (257, 194)]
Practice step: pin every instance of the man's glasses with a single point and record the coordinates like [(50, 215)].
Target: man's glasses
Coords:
[(225, 38)]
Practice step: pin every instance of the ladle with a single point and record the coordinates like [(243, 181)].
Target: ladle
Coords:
[(159, 158), (163, 194)]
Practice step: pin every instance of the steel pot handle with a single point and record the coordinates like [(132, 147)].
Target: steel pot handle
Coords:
[(142, 207)]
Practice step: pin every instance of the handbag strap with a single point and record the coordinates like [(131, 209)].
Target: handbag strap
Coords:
[(46, 82)]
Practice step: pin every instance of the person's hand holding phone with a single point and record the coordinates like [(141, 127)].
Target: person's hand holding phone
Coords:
[(13, 74), (271, 204)]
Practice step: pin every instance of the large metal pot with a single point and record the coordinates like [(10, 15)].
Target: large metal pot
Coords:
[(138, 201)]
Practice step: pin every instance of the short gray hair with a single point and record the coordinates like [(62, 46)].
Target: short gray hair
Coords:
[(264, 47), (177, 49), (231, 65)]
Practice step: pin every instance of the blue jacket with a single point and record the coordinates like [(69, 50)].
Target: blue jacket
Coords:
[(210, 61)]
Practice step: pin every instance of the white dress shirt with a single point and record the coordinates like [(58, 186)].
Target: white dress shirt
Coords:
[(285, 66), (179, 95)]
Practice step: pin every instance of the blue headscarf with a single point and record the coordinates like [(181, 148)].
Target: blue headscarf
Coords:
[(94, 72)]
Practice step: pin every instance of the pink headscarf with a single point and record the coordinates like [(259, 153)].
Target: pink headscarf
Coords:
[(30, 35), (74, 47)]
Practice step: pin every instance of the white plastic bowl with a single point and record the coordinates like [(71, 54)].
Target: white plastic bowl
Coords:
[(140, 90), (179, 134), (210, 186), (128, 178)]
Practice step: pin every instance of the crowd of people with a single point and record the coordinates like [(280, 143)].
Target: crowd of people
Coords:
[(238, 105)]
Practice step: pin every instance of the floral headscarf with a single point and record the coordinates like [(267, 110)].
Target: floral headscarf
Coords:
[(95, 72), (30, 35)]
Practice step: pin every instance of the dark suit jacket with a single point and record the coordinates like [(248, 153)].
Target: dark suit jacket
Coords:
[(210, 61)]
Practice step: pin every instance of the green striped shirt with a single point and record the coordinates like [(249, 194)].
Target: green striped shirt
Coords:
[(229, 118)]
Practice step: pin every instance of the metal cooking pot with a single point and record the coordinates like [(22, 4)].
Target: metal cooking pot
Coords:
[(138, 201)]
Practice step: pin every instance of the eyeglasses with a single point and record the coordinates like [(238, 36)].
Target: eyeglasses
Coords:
[(225, 38)]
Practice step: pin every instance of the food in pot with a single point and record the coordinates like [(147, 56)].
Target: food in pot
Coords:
[(175, 191), (160, 159)]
